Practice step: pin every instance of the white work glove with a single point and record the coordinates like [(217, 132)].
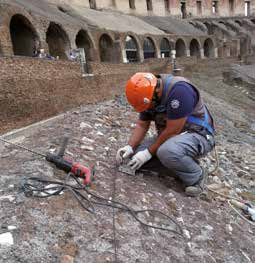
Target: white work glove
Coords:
[(139, 159), (124, 153)]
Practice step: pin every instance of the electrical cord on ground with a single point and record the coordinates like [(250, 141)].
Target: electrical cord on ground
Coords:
[(113, 217), (226, 196), (42, 188)]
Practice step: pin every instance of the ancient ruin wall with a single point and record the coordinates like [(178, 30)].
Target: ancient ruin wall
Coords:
[(29, 92), (192, 8)]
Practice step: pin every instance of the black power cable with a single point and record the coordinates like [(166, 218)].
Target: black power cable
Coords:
[(41, 188)]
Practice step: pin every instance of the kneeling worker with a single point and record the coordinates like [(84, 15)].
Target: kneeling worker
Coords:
[(184, 125)]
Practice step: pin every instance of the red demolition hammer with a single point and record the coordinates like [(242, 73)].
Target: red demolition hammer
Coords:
[(61, 162)]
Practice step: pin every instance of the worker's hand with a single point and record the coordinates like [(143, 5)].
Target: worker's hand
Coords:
[(124, 153), (140, 159)]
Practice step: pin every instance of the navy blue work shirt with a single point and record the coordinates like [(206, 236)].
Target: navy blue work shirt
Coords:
[(180, 103)]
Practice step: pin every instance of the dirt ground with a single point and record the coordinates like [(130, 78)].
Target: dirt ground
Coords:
[(57, 229)]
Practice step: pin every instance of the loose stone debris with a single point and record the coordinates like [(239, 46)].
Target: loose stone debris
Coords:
[(57, 229)]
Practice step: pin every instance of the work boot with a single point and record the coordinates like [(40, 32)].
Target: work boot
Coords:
[(197, 188)]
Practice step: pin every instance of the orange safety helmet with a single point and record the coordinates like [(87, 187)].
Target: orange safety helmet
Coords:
[(140, 89)]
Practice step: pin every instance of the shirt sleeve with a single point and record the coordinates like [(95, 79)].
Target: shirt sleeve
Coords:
[(181, 101)]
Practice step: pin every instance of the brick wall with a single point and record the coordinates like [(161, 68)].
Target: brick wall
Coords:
[(35, 89)]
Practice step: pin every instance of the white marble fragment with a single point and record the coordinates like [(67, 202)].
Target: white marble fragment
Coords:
[(85, 125), (12, 227), (112, 139), (186, 233), (100, 133), (87, 148), (87, 140), (9, 197), (6, 239)]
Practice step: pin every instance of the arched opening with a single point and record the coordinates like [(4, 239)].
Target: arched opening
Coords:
[(58, 41), (231, 7), (131, 49), (208, 48), (221, 22), (82, 40), (180, 48), (192, 23), (194, 48), (238, 22), (165, 48), (92, 4), (106, 48), (149, 50), (23, 36), (209, 28), (183, 10)]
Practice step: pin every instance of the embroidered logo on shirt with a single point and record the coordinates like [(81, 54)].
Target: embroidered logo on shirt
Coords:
[(175, 104)]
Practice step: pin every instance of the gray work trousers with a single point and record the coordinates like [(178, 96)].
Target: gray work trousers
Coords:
[(178, 155)]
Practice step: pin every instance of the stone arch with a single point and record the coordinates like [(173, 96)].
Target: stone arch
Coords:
[(238, 22), (209, 27), (165, 48), (209, 48), (194, 48), (83, 40), (180, 48), (58, 41), (172, 44), (222, 22), (131, 49), (23, 36), (192, 23), (106, 48), (149, 48)]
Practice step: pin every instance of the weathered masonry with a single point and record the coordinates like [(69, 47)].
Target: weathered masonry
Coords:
[(179, 8), (25, 29)]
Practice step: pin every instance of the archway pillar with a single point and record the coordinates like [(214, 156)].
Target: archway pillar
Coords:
[(216, 52), (44, 45), (202, 53), (158, 53), (117, 58), (188, 52), (124, 56), (141, 55)]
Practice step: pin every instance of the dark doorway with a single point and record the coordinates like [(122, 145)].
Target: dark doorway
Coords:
[(180, 48), (83, 41), (131, 49), (149, 50), (106, 48), (183, 10), (149, 5), (165, 48), (199, 7), (209, 48), (132, 4), (92, 4), (58, 41), (194, 48), (231, 7), (23, 36), (167, 5)]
